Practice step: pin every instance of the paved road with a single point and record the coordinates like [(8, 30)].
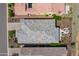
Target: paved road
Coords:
[(3, 30)]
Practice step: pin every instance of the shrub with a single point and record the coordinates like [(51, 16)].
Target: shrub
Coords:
[(10, 13), (46, 15), (15, 54), (57, 45), (11, 46), (10, 9), (56, 17), (10, 4), (11, 34)]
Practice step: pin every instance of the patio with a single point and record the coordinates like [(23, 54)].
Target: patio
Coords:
[(66, 23)]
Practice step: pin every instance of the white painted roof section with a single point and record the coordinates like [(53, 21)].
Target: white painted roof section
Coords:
[(37, 31)]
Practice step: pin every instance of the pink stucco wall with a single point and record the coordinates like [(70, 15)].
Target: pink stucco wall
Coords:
[(39, 8)]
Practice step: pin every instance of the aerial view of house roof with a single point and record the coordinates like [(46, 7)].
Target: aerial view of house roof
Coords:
[(38, 31), (45, 26), (39, 28)]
